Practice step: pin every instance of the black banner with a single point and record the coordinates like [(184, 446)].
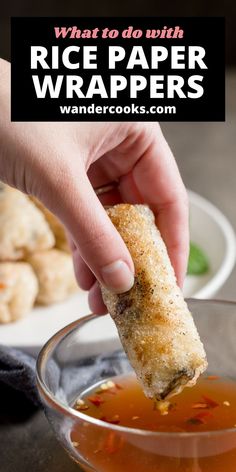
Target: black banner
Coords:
[(118, 69)]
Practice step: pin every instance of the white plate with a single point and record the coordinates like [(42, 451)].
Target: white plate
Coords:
[(209, 229)]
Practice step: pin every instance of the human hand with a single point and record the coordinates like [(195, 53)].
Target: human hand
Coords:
[(62, 163)]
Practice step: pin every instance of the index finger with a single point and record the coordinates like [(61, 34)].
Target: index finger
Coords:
[(157, 180)]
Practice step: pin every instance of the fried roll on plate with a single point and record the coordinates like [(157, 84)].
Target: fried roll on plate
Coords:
[(18, 290), (23, 228), (154, 324), (54, 270)]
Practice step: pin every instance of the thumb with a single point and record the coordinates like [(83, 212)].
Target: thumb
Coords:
[(97, 240)]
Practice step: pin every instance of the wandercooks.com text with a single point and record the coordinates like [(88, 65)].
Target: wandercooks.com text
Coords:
[(116, 109)]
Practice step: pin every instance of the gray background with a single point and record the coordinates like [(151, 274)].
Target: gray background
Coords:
[(205, 153)]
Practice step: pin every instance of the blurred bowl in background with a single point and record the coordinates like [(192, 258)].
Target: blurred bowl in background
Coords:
[(212, 232)]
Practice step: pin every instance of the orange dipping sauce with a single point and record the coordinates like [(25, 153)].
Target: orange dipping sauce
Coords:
[(209, 406)]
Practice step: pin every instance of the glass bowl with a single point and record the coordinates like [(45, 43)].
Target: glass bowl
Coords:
[(88, 351)]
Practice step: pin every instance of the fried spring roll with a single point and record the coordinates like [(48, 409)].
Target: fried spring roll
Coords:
[(154, 324)]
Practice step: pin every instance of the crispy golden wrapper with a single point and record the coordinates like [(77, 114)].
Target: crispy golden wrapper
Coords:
[(154, 324)]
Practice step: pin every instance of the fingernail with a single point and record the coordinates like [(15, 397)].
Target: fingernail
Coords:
[(117, 277)]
